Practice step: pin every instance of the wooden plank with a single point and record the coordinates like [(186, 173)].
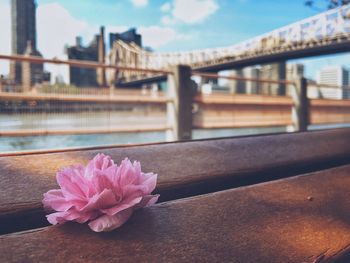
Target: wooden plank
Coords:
[(264, 123), (83, 98), (96, 131), (222, 111), (300, 219), (184, 169), (243, 99), (238, 115), (330, 103), (330, 111)]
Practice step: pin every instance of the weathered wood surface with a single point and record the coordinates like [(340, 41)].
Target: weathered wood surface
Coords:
[(95, 131), (330, 111), (184, 169), (222, 111), (299, 219), (238, 116), (7, 96)]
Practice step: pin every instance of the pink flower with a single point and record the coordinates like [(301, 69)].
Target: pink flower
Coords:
[(102, 193)]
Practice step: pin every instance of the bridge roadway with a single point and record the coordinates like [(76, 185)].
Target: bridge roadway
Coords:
[(334, 46)]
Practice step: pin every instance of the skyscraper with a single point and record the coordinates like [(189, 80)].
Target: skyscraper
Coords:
[(336, 76), (333, 75), (275, 71), (23, 31)]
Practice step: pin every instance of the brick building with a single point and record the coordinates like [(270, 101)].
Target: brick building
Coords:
[(95, 51)]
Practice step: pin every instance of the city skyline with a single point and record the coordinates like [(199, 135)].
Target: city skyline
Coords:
[(151, 32)]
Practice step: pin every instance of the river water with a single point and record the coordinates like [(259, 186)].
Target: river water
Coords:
[(102, 119)]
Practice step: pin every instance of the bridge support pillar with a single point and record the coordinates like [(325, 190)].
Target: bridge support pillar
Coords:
[(300, 110), (179, 109)]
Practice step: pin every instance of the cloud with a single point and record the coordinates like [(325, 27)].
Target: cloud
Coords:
[(139, 3), (165, 7), (53, 30), (157, 36), (53, 34), (168, 20), (189, 11)]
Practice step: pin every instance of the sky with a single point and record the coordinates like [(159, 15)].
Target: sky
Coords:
[(165, 25)]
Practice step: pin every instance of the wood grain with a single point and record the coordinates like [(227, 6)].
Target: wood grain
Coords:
[(213, 165), (83, 98), (95, 131), (237, 115), (238, 110), (299, 219), (330, 111)]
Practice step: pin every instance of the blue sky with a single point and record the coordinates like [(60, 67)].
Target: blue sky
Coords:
[(166, 25), (231, 22)]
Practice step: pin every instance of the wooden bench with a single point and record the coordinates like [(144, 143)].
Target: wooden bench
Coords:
[(295, 219)]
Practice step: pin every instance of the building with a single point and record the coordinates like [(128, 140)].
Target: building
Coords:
[(274, 71), (336, 76), (95, 51), (32, 73), (23, 30), (333, 75), (294, 71), (127, 37), (252, 87), (237, 86)]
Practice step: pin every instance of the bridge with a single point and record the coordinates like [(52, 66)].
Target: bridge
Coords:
[(325, 33)]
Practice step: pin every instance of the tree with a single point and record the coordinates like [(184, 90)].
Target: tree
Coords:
[(329, 3)]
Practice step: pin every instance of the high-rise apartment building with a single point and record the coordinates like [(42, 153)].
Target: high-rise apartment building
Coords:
[(336, 76), (333, 75), (23, 29)]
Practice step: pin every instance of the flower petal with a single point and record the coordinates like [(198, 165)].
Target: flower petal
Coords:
[(150, 181), (72, 183), (55, 200), (70, 215), (147, 201), (62, 217), (108, 223), (127, 173), (125, 204), (99, 163), (105, 199), (102, 179)]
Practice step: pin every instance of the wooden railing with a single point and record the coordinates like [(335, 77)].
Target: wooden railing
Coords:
[(186, 108)]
